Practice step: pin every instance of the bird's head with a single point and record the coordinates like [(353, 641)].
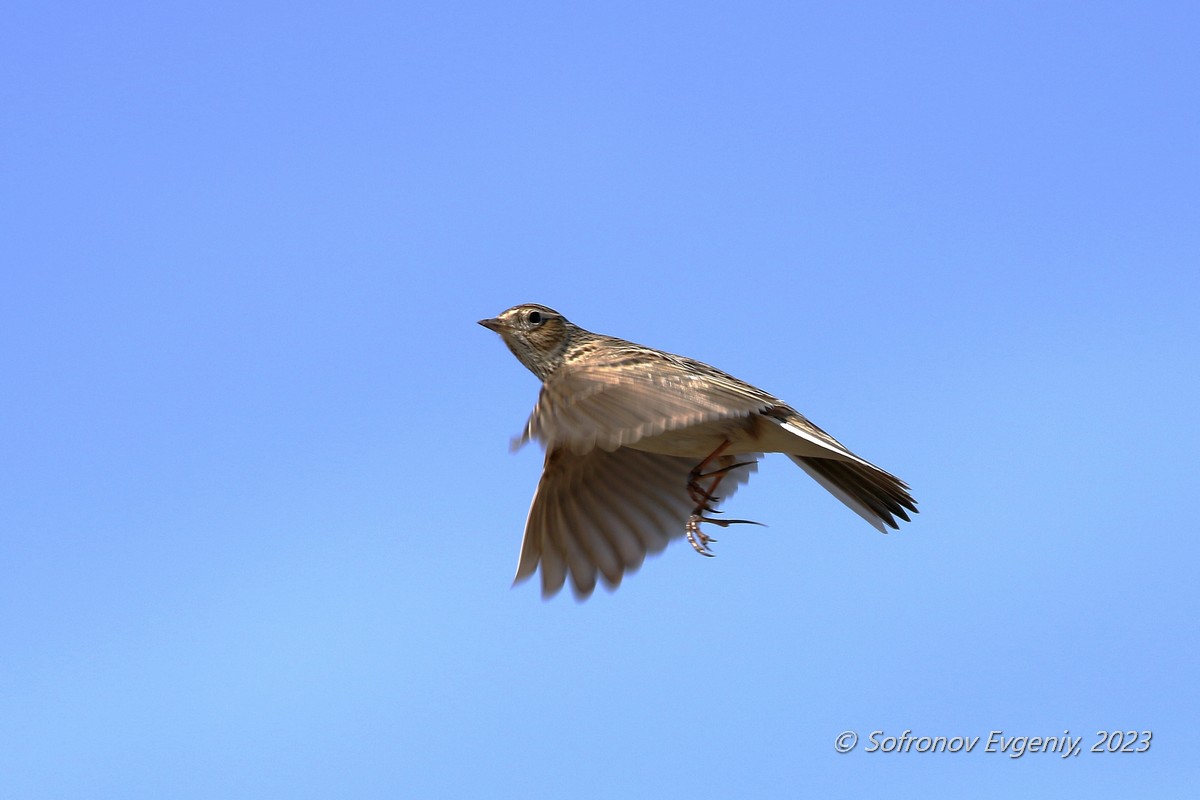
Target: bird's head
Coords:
[(537, 335)]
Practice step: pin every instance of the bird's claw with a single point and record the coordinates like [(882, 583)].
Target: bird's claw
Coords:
[(698, 538)]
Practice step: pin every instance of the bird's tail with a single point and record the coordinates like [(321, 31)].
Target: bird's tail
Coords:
[(875, 495)]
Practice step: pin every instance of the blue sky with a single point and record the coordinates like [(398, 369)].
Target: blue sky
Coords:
[(259, 517)]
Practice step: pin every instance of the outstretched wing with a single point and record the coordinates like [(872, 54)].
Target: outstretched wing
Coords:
[(600, 513), (631, 394)]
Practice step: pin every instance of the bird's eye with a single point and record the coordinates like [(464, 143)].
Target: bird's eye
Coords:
[(535, 318)]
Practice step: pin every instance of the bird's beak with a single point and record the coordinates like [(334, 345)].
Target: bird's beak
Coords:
[(493, 324)]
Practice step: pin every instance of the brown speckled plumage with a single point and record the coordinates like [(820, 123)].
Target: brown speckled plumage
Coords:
[(625, 427)]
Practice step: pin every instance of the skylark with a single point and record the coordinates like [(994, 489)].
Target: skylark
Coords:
[(637, 443)]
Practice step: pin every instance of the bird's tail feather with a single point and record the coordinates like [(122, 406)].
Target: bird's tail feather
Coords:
[(875, 495)]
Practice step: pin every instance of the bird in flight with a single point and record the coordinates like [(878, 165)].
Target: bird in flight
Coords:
[(638, 441)]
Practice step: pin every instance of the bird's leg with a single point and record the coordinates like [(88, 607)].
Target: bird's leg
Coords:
[(701, 497), (705, 498)]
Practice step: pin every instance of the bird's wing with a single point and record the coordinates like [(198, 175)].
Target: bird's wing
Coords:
[(599, 514), (612, 403)]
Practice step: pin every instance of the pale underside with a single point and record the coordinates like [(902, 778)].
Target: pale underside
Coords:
[(621, 439)]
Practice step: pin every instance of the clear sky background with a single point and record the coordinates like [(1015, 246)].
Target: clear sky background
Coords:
[(259, 517)]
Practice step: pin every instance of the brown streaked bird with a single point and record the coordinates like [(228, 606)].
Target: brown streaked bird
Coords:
[(637, 443)]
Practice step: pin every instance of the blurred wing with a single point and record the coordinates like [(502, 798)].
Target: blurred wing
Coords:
[(609, 404), (599, 514)]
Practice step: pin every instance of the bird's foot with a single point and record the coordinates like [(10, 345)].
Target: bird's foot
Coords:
[(699, 539), (706, 499)]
